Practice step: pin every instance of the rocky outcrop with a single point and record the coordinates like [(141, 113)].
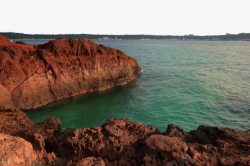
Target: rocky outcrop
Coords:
[(13, 121), (35, 75), (122, 142), (16, 123)]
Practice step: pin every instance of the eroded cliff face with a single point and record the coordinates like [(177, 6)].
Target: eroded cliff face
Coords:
[(119, 142), (35, 75)]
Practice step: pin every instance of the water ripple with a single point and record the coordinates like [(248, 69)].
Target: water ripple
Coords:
[(188, 83)]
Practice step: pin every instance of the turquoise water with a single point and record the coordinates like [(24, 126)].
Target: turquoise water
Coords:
[(187, 83)]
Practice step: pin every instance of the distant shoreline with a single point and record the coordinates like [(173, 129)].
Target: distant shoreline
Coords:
[(31, 39), (138, 39), (226, 37)]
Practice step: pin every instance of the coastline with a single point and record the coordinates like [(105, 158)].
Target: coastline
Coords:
[(222, 37), (118, 142)]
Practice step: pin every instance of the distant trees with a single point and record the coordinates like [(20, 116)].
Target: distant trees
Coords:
[(241, 36)]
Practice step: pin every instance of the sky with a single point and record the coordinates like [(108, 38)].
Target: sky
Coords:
[(156, 17)]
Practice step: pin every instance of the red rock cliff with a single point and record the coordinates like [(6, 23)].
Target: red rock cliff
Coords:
[(35, 75)]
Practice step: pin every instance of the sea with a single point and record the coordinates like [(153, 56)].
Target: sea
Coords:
[(187, 83)]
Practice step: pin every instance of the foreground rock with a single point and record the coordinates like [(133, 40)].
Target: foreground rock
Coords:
[(16, 151), (122, 142), (35, 75)]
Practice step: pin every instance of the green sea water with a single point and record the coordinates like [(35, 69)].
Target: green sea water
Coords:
[(188, 83)]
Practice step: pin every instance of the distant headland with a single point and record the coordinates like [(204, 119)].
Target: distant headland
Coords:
[(226, 37)]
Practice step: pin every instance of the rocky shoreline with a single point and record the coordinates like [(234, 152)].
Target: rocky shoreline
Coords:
[(35, 75), (32, 76), (117, 142)]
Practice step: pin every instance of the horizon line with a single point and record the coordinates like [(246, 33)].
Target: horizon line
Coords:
[(124, 34)]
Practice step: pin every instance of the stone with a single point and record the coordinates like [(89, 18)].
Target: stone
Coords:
[(32, 76), (16, 151)]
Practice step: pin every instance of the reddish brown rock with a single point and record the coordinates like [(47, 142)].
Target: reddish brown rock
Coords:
[(90, 161), (122, 142), (14, 121), (32, 76), (16, 151), (113, 142), (175, 131), (165, 144), (35, 75)]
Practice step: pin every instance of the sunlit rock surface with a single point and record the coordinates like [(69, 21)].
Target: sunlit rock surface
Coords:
[(32, 76)]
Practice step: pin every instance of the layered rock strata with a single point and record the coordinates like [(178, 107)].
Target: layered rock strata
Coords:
[(32, 76)]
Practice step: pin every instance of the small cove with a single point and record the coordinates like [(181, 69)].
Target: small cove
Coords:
[(188, 83)]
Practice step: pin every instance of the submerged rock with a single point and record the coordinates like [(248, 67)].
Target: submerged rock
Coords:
[(32, 76)]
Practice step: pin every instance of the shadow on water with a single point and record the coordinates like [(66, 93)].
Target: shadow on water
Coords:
[(94, 108)]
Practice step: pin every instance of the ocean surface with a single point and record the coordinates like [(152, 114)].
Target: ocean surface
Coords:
[(188, 83)]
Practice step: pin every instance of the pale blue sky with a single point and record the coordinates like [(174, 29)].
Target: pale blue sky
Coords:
[(174, 17)]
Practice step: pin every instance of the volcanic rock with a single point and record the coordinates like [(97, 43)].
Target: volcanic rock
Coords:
[(165, 144), (122, 142), (32, 76), (91, 161), (35, 75), (14, 121)]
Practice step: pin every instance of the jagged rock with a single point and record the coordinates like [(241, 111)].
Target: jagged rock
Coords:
[(90, 161), (109, 141), (165, 144), (35, 75), (14, 121), (52, 125), (41, 136), (174, 131), (122, 142)]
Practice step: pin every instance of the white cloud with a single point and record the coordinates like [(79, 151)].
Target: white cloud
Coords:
[(125, 16)]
